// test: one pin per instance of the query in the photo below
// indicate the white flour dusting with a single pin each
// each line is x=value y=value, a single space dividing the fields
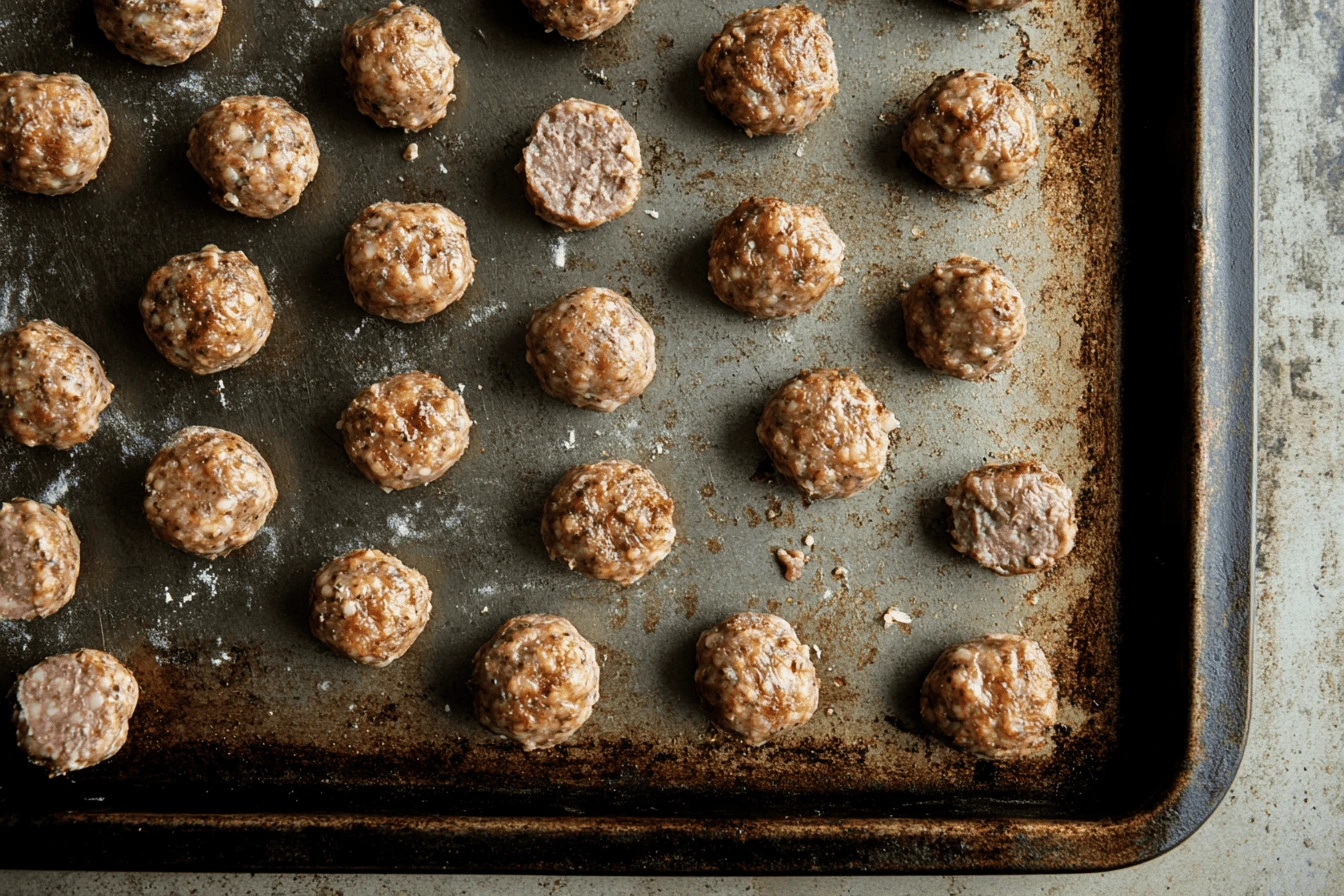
x=558 y=252
x=483 y=314
x=59 y=487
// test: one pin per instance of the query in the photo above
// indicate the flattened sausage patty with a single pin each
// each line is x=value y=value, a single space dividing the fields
x=400 y=67
x=582 y=165
x=74 y=710
x=406 y=430
x=591 y=348
x=964 y=318
x=770 y=258
x=755 y=677
x=53 y=133
x=52 y=386
x=256 y=154
x=1013 y=518
x=369 y=606
x=39 y=559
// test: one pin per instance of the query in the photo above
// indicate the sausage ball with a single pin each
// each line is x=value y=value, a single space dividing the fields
x=972 y=131
x=53 y=133
x=74 y=710
x=39 y=559
x=407 y=261
x=579 y=19
x=1013 y=518
x=255 y=153
x=207 y=311
x=827 y=433
x=369 y=606
x=399 y=66
x=159 y=32
x=609 y=520
x=995 y=697
x=52 y=386
x=964 y=318
x=770 y=258
x=581 y=165
x=536 y=681
x=591 y=348
x=406 y=430
x=771 y=70
x=208 y=492
x=755 y=677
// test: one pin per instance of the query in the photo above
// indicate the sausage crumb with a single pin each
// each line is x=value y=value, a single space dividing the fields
x=412 y=152
x=839 y=573
x=809 y=540
x=792 y=563
x=893 y=616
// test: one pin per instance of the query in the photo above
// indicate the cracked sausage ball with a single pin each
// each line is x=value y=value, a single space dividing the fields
x=609 y=520
x=406 y=430
x=39 y=559
x=756 y=678
x=972 y=131
x=159 y=32
x=53 y=133
x=407 y=261
x=581 y=165
x=964 y=318
x=208 y=492
x=399 y=66
x=369 y=606
x=591 y=348
x=1013 y=518
x=579 y=19
x=827 y=433
x=771 y=70
x=207 y=311
x=256 y=154
x=74 y=710
x=535 y=681
x=770 y=258
x=994 y=697
x=52 y=386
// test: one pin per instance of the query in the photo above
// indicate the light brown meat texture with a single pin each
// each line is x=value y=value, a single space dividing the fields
x=964 y=318
x=407 y=261
x=972 y=131
x=591 y=348
x=369 y=606
x=39 y=559
x=1013 y=518
x=990 y=5
x=256 y=154
x=159 y=32
x=406 y=430
x=52 y=386
x=400 y=68
x=755 y=677
x=53 y=133
x=581 y=165
x=74 y=710
x=579 y=19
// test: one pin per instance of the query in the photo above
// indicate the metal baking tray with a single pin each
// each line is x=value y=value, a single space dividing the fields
x=254 y=747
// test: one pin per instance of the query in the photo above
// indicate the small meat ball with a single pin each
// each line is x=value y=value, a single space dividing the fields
x=406 y=430
x=207 y=311
x=407 y=261
x=609 y=520
x=582 y=165
x=399 y=66
x=964 y=318
x=39 y=559
x=74 y=710
x=255 y=153
x=972 y=131
x=579 y=19
x=771 y=70
x=756 y=678
x=208 y=492
x=536 y=681
x=770 y=258
x=591 y=348
x=994 y=697
x=53 y=133
x=159 y=32
x=52 y=386
x=827 y=433
x=369 y=606
x=1013 y=518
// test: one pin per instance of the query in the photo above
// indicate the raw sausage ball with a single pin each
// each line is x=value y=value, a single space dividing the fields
x=995 y=697
x=208 y=492
x=407 y=261
x=74 y=710
x=1013 y=518
x=582 y=165
x=53 y=133
x=369 y=606
x=536 y=681
x=39 y=559
x=755 y=677
x=972 y=131
x=255 y=153
x=52 y=386
x=771 y=70
x=406 y=430
x=399 y=66
x=579 y=19
x=591 y=348
x=159 y=32
x=609 y=520
x=770 y=258
x=827 y=433
x=207 y=311
x=964 y=318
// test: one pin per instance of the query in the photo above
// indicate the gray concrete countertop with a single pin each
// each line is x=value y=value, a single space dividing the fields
x=1281 y=827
